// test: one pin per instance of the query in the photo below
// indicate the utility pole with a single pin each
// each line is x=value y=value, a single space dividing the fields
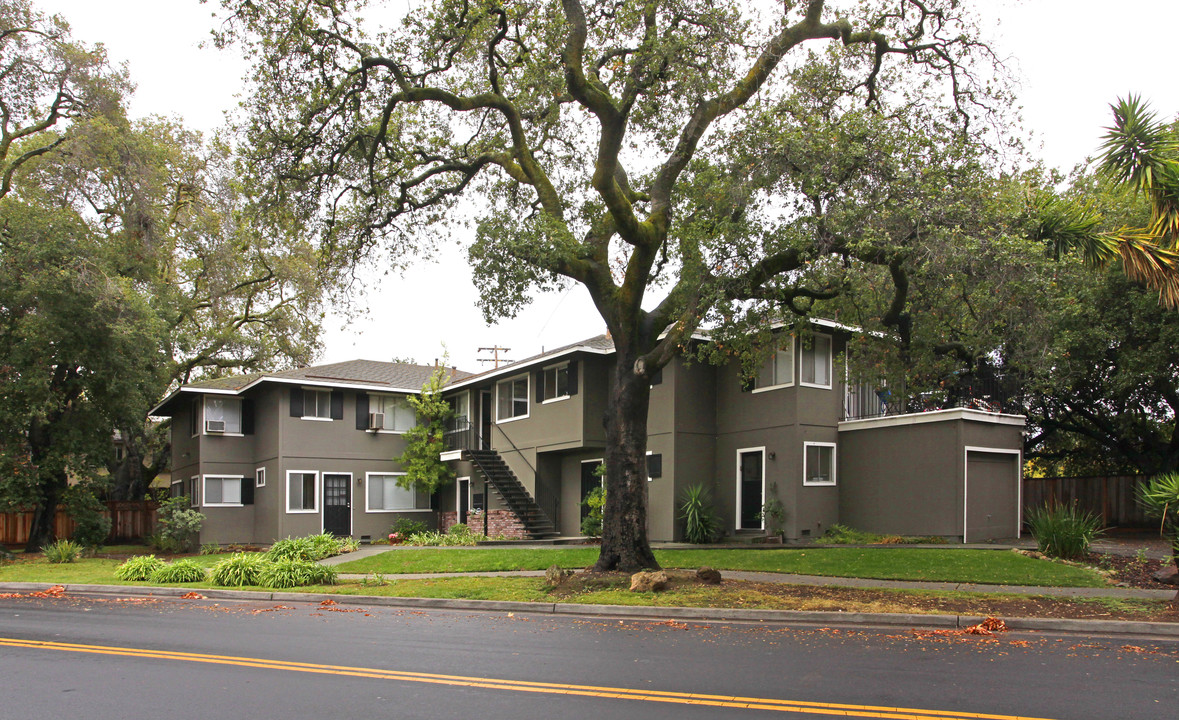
x=495 y=351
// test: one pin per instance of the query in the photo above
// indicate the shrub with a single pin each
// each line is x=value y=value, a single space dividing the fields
x=178 y=525
x=1160 y=497
x=349 y=544
x=238 y=569
x=91 y=525
x=295 y=573
x=289 y=548
x=210 y=549
x=591 y=524
x=324 y=545
x=62 y=551
x=1063 y=531
x=405 y=527
x=843 y=535
x=451 y=539
x=459 y=529
x=701 y=524
x=138 y=568
x=181 y=571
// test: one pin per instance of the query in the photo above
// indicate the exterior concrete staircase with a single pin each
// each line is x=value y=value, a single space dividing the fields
x=505 y=483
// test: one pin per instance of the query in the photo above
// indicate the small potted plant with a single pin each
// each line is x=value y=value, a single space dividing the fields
x=395 y=538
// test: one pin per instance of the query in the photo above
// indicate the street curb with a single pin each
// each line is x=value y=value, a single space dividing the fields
x=636 y=612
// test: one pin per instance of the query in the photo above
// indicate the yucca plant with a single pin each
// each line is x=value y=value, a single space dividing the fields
x=138 y=568
x=1063 y=531
x=701 y=524
x=238 y=569
x=181 y=571
x=1160 y=497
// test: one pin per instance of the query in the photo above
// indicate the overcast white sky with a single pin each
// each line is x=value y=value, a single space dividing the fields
x=1074 y=57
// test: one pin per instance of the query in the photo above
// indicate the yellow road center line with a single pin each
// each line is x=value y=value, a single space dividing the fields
x=664 y=696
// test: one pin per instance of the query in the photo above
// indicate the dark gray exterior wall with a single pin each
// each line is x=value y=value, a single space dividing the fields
x=909 y=479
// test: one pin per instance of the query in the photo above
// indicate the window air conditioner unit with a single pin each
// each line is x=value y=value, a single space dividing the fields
x=376 y=421
x=215 y=426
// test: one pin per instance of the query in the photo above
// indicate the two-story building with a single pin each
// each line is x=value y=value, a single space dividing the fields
x=527 y=438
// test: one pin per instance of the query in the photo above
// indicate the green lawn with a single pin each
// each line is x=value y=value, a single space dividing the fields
x=931 y=564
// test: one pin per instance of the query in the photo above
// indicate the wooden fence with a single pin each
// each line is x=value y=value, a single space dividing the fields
x=1113 y=497
x=130 y=521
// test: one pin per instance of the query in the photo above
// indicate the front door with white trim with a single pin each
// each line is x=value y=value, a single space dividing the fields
x=337 y=504
x=751 y=488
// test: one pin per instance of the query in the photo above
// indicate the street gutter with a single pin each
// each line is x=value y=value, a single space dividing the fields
x=808 y=617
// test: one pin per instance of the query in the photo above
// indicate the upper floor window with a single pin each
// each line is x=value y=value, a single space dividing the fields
x=556 y=383
x=223 y=415
x=390 y=412
x=815 y=369
x=778 y=369
x=317 y=404
x=512 y=399
x=460 y=405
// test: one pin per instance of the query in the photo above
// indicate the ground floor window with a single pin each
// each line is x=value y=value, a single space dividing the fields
x=385 y=495
x=223 y=490
x=302 y=491
x=818 y=463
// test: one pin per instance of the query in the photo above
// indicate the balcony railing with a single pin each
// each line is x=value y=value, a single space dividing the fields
x=461 y=435
x=869 y=400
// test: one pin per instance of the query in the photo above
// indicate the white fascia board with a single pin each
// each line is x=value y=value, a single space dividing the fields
x=933 y=416
x=305 y=382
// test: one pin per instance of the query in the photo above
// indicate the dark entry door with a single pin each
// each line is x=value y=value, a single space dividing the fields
x=463 y=489
x=337 y=504
x=485 y=420
x=589 y=481
x=751 y=489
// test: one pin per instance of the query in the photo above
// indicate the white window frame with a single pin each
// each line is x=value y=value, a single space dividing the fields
x=834 y=460
x=794 y=368
x=511 y=382
x=737 y=475
x=260 y=477
x=544 y=378
x=316 y=392
x=196 y=415
x=830 y=363
x=172 y=487
x=315 y=494
x=466 y=395
x=194 y=484
x=368 y=478
x=205 y=490
x=381 y=398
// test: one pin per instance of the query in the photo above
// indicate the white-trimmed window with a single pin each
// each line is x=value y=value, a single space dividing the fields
x=194 y=483
x=222 y=491
x=302 y=491
x=556 y=383
x=317 y=404
x=177 y=488
x=512 y=399
x=815 y=365
x=223 y=415
x=460 y=405
x=194 y=416
x=818 y=463
x=383 y=494
x=260 y=477
x=395 y=412
x=777 y=370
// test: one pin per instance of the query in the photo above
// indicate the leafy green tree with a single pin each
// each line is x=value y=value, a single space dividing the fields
x=629 y=147
x=426 y=440
x=46 y=79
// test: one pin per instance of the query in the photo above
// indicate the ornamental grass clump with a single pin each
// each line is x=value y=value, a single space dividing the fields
x=295 y=573
x=1063 y=531
x=180 y=571
x=62 y=551
x=237 y=570
x=138 y=568
x=301 y=548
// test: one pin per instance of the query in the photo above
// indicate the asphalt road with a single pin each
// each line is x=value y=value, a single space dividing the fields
x=99 y=658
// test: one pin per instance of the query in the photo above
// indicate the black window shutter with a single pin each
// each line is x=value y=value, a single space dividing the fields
x=248 y=491
x=655 y=465
x=362 y=411
x=539 y=386
x=296 y=402
x=572 y=377
x=337 y=404
x=247 y=416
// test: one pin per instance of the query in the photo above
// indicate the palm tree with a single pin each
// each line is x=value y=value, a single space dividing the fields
x=1140 y=152
x=1160 y=497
